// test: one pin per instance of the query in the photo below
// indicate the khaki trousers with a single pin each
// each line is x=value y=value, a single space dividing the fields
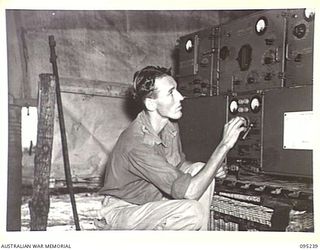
x=160 y=215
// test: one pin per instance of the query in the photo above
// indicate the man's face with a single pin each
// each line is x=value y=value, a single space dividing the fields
x=168 y=98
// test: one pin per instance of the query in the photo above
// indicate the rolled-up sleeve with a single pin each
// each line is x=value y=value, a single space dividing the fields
x=148 y=164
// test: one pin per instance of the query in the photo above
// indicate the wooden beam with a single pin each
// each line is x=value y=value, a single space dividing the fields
x=29 y=102
x=40 y=203
x=94 y=87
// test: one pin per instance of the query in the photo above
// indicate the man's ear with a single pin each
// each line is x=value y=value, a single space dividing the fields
x=150 y=104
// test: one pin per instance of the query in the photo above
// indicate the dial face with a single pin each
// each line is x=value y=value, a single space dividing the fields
x=308 y=14
x=261 y=25
x=233 y=106
x=255 y=104
x=189 y=45
x=300 y=30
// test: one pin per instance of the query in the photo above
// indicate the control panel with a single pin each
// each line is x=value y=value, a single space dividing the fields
x=247 y=152
x=266 y=50
x=196 y=64
x=263 y=65
x=251 y=52
x=299 y=48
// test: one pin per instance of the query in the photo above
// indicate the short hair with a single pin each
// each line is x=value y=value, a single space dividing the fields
x=144 y=79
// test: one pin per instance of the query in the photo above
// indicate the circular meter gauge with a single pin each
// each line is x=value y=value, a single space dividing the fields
x=308 y=14
x=255 y=104
x=189 y=45
x=233 y=106
x=261 y=25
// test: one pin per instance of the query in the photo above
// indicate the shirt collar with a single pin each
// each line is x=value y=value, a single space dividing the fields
x=151 y=137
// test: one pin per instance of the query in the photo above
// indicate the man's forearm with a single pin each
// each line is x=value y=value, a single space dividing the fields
x=200 y=182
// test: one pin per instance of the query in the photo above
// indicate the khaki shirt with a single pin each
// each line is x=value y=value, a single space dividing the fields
x=144 y=166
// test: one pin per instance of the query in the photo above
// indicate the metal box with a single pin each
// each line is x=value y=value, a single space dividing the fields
x=276 y=158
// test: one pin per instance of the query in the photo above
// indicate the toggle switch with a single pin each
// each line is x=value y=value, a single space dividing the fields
x=247 y=131
x=249 y=125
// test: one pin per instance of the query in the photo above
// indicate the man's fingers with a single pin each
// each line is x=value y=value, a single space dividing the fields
x=221 y=173
x=236 y=122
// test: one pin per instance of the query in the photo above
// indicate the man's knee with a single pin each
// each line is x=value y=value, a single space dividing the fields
x=195 y=213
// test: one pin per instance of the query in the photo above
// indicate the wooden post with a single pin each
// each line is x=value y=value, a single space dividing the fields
x=14 y=169
x=40 y=203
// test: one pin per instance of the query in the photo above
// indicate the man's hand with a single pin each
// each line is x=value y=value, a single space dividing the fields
x=222 y=171
x=231 y=131
x=201 y=181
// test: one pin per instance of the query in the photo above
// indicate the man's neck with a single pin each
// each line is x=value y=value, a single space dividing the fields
x=157 y=122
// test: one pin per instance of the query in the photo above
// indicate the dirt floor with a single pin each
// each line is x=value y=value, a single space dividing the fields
x=60 y=214
x=88 y=203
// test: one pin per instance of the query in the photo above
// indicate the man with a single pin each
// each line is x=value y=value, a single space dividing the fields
x=148 y=183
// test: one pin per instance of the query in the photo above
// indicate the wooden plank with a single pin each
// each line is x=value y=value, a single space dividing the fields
x=85 y=87
x=30 y=102
x=40 y=202
x=94 y=87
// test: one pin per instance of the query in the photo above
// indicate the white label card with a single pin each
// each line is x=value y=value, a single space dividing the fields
x=298 y=128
